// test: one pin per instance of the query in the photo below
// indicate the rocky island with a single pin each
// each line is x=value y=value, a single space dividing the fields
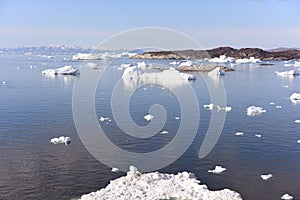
x=257 y=53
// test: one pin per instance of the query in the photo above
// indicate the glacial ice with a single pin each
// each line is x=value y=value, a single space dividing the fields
x=157 y=186
x=186 y=63
x=102 y=119
x=297 y=121
x=217 y=170
x=266 y=176
x=255 y=110
x=287 y=197
x=164 y=132
x=61 y=140
x=66 y=70
x=209 y=106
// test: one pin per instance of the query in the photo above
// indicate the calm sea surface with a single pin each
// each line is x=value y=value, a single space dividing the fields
x=36 y=108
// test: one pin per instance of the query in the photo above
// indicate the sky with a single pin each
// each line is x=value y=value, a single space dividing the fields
x=212 y=23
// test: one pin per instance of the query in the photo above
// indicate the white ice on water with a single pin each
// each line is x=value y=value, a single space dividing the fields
x=114 y=169
x=266 y=176
x=239 y=133
x=295 y=98
x=297 y=121
x=157 y=186
x=221 y=59
x=217 y=170
x=61 y=140
x=257 y=135
x=187 y=63
x=148 y=117
x=66 y=70
x=248 y=60
x=102 y=119
x=255 y=110
x=216 y=72
x=287 y=197
x=292 y=72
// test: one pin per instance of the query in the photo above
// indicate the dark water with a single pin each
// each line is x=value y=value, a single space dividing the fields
x=34 y=109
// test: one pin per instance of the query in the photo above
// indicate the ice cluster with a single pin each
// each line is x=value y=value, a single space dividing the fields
x=61 y=140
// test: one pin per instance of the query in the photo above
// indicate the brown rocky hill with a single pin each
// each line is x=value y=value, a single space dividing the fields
x=288 y=54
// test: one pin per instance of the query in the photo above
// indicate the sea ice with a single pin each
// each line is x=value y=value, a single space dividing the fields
x=66 y=70
x=272 y=103
x=266 y=176
x=255 y=110
x=292 y=72
x=239 y=133
x=226 y=108
x=278 y=106
x=141 y=65
x=61 y=140
x=257 y=135
x=295 y=98
x=156 y=186
x=298 y=141
x=114 y=169
x=297 y=121
x=148 y=117
x=217 y=170
x=3 y=82
x=246 y=60
x=164 y=132
x=208 y=106
x=84 y=56
x=287 y=197
x=102 y=119
x=177 y=118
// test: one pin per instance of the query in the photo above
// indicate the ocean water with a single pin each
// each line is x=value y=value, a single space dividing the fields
x=36 y=108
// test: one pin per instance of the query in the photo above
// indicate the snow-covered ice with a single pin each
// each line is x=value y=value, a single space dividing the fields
x=186 y=63
x=266 y=176
x=148 y=117
x=287 y=197
x=239 y=133
x=157 y=186
x=216 y=72
x=61 y=140
x=217 y=170
x=255 y=110
x=66 y=70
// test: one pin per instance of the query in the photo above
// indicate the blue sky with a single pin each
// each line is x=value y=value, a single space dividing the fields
x=237 y=23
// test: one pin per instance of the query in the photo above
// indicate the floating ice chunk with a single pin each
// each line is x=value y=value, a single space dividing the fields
x=84 y=56
x=186 y=63
x=292 y=72
x=148 y=117
x=298 y=141
x=255 y=110
x=278 y=106
x=246 y=60
x=61 y=140
x=297 y=64
x=287 y=197
x=114 y=169
x=66 y=70
x=285 y=86
x=174 y=63
x=221 y=59
x=272 y=103
x=217 y=170
x=124 y=65
x=177 y=118
x=3 y=82
x=239 y=133
x=102 y=119
x=266 y=176
x=257 y=135
x=164 y=132
x=297 y=121
x=295 y=98
x=208 y=106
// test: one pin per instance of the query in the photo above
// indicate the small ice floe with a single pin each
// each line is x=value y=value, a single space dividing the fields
x=292 y=72
x=295 y=98
x=266 y=176
x=285 y=86
x=208 y=106
x=66 y=70
x=3 y=82
x=84 y=56
x=272 y=103
x=114 y=169
x=257 y=135
x=298 y=141
x=287 y=197
x=103 y=119
x=177 y=118
x=216 y=72
x=226 y=108
x=239 y=133
x=148 y=117
x=61 y=140
x=164 y=132
x=174 y=63
x=297 y=121
x=278 y=107
x=92 y=65
x=255 y=110
x=217 y=170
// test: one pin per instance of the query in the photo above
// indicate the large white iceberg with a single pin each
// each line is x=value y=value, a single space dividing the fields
x=255 y=110
x=221 y=59
x=157 y=186
x=66 y=70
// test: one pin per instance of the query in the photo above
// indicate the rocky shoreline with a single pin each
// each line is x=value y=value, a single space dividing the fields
x=289 y=54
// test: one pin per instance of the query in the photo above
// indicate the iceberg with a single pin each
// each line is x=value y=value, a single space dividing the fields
x=287 y=197
x=61 y=140
x=297 y=121
x=248 y=60
x=221 y=59
x=226 y=108
x=208 y=106
x=266 y=176
x=257 y=135
x=217 y=170
x=239 y=133
x=164 y=132
x=255 y=110
x=66 y=70
x=186 y=63
x=148 y=117
x=295 y=98
x=92 y=65
x=292 y=72
x=114 y=169
x=156 y=186
x=84 y=56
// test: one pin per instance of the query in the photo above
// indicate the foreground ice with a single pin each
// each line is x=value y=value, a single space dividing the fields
x=102 y=119
x=266 y=176
x=287 y=197
x=209 y=106
x=61 y=140
x=255 y=110
x=217 y=170
x=66 y=70
x=156 y=186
